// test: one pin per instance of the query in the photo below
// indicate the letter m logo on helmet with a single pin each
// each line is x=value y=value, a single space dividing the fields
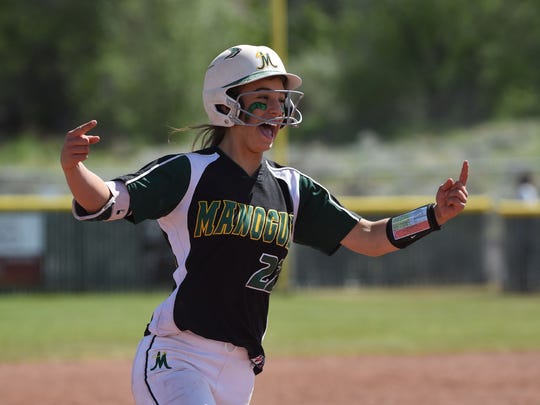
x=266 y=60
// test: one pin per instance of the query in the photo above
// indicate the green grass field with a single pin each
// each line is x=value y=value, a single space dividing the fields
x=366 y=321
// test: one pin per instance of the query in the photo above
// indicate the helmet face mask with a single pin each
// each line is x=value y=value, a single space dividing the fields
x=291 y=116
x=240 y=65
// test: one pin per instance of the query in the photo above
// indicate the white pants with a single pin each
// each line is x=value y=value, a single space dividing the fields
x=187 y=369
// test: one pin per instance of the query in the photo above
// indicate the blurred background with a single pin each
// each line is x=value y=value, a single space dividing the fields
x=398 y=93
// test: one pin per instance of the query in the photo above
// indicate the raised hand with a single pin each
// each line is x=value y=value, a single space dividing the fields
x=76 y=146
x=87 y=188
x=452 y=196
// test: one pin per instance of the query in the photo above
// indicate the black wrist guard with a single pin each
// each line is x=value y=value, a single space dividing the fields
x=404 y=229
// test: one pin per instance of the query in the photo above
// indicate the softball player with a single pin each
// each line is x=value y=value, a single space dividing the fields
x=230 y=216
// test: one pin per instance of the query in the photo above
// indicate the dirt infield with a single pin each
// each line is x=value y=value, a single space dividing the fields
x=465 y=379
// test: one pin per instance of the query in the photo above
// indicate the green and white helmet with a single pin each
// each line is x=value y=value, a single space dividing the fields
x=237 y=66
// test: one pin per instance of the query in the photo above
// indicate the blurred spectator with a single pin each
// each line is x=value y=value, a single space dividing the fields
x=526 y=189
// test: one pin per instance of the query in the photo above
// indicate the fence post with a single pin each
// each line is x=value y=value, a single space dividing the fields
x=521 y=242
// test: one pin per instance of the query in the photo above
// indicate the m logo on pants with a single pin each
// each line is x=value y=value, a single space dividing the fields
x=161 y=361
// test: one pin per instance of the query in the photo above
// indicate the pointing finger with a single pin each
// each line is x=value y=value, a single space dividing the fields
x=464 y=175
x=83 y=129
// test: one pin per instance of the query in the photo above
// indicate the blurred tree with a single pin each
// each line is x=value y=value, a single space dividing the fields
x=153 y=63
x=397 y=66
x=392 y=66
x=314 y=55
x=42 y=45
x=135 y=65
x=512 y=58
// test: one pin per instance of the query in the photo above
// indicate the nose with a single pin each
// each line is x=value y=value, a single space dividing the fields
x=275 y=107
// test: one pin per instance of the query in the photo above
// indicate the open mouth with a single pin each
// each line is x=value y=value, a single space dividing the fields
x=267 y=130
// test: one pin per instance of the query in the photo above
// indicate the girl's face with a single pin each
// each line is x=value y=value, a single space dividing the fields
x=263 y=104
